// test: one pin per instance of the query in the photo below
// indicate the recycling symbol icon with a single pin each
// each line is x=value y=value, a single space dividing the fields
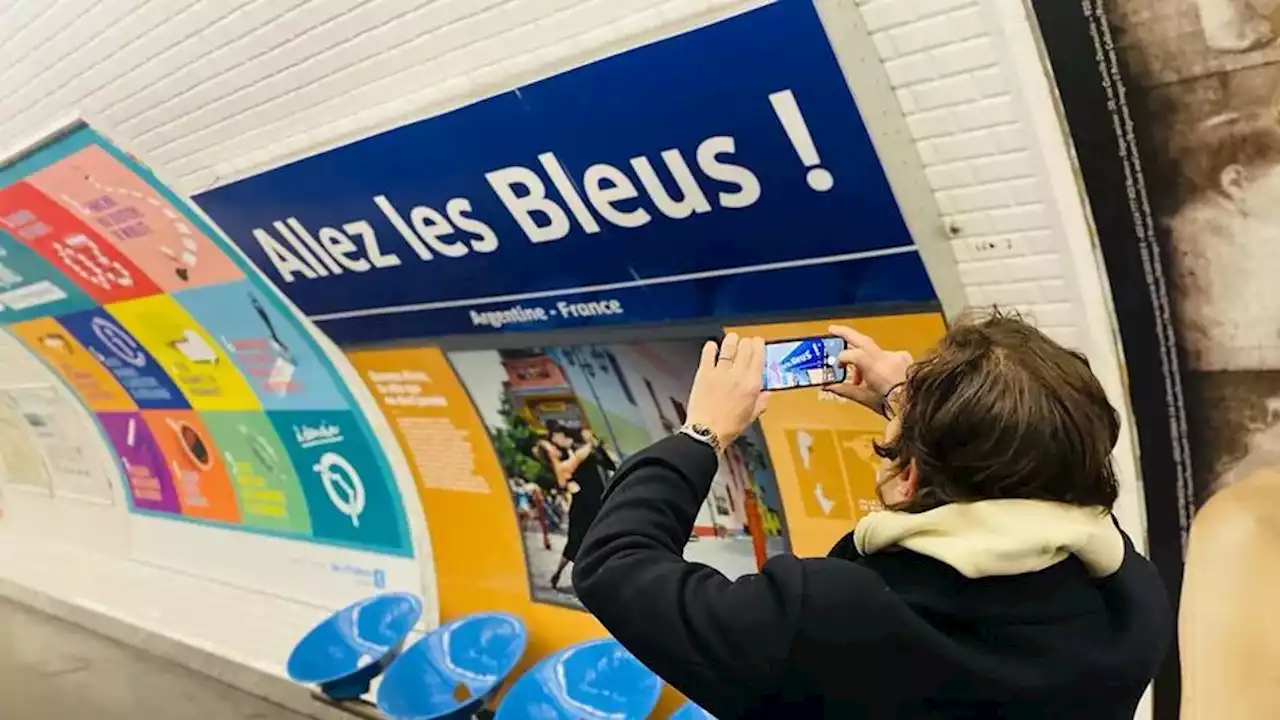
x=342 y=484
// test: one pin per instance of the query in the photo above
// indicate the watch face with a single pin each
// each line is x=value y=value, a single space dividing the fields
x=704 y=433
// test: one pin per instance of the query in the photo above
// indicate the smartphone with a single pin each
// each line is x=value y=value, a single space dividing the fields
x=802 y=362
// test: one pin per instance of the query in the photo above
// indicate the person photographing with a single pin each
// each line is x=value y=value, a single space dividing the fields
x=996 y=584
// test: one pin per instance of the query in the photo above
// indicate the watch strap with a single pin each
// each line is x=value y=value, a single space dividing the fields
x=704 y=435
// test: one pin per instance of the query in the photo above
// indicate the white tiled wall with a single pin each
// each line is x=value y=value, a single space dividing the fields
x=946 y=62
x=212 y=90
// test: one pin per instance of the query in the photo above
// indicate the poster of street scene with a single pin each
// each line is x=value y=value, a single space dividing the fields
x=563 y=419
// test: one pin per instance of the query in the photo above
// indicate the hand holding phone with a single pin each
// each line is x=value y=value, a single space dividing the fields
x=873 y=371
x=803 y=362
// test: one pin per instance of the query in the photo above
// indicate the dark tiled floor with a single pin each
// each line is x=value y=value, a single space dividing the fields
x=51 y=670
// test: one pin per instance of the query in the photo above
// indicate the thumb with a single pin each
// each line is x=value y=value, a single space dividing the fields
x=858 y=393
x=762 y=404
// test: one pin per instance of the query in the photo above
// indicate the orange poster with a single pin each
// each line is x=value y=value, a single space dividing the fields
x=821 y=444
x=95 y=385
x=476 y=541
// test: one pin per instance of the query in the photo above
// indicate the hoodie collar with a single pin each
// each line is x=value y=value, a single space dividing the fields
x=999 y=537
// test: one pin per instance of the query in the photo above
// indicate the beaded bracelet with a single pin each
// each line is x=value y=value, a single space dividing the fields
x=885 y=408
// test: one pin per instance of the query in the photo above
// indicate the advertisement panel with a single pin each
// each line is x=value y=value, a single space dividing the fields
x=20 y=457
x=1172 y=108
x=625 y=191
x=59 y=437
x=219 y=404
x=562 y=419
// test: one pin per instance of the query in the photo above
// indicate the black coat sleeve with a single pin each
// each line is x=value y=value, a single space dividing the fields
x=723 y=644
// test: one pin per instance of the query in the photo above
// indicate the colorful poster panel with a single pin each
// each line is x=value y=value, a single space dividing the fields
x=347 y=491
x=604 y=403
x=145 y=468
x=185 y=350
x=74 y=248
x=130 y=214
x=79 y=366
x=124 y=356
x=95 y=254
x=30 y=287
x=199 y=476
x=821 y=443
x=280 y=363
x=270 y=495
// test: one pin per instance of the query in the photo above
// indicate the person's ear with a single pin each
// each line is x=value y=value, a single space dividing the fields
x=910 y=480
x=1233 y=180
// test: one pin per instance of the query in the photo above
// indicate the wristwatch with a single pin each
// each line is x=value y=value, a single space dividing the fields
x=703 y=434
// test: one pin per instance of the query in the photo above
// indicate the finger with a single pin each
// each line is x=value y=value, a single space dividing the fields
x=728 y=350
x=762 y=404
x=853 y=338
x=708 y=360
x=853 y=359
x=750 y=358
x=857 y=393
x=849 y=359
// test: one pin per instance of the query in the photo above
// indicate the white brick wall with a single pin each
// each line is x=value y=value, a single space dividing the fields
x=944 y=60
x=213 y=90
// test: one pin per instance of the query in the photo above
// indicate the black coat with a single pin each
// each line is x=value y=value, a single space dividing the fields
x=891 y=635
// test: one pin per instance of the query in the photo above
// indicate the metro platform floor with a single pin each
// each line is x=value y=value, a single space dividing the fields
x=52 y=670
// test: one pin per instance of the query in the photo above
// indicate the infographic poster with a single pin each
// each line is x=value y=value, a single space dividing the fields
x=20 y=455
x=562 y=419
x=58 y=434
x=217 y=401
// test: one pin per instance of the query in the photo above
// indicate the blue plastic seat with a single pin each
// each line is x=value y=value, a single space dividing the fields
x=354 y=645
x=596 y=680
x=691 y=711
x=451 y=671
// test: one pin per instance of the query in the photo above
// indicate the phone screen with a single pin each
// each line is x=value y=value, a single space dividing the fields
x=805 y=362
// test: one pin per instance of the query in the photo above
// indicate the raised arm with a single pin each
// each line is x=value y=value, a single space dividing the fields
x=729 y=646
x=723 y=644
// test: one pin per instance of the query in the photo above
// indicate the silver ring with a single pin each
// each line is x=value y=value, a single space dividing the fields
x=727 y=357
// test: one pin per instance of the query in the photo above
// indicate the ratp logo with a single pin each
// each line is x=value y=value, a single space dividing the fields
x=342 y=484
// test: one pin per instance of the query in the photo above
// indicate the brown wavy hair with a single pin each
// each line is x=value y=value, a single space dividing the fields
x=1000 y=410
